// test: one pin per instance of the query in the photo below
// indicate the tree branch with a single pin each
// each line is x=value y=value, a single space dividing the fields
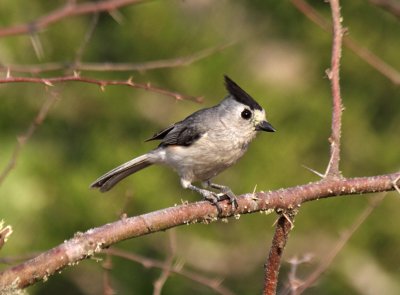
x=214 y=283
x=115 y=67
x=68 y=10
x=312 y=279
x=101 y=83
x=333 y=74
x=285 y=222
x=365 y=54
x=271 y=269
x=22 y=139
x=167 y=265
x=390 y=6
x=84 y=245
x=107 y=267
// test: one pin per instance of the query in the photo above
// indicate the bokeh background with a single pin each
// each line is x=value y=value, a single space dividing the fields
x=278 y=56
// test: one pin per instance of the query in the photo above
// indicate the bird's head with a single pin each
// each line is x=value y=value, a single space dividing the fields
x=245 y=114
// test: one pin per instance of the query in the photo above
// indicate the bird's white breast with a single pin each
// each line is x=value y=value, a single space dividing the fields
x=205 y=158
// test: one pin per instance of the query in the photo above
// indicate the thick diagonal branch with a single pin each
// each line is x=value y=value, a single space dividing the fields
x=86 y=244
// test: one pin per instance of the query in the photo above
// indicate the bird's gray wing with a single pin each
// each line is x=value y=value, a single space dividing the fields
x=177 y=134
x=182 y=134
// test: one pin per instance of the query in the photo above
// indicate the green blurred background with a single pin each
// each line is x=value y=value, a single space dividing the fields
x=279 y=57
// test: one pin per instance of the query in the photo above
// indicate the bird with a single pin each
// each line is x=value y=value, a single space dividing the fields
x=202 y=145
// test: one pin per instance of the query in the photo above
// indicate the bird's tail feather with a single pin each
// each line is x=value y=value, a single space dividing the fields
x=111 y=178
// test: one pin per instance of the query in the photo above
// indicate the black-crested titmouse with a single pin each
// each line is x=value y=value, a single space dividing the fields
x=203 y=145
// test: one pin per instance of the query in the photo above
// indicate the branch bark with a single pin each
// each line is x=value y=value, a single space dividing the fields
x=271 y=269
x=85 y=245
x=333 y=74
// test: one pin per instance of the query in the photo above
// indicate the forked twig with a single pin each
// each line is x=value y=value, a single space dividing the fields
x=332 y=172
x=214 y=284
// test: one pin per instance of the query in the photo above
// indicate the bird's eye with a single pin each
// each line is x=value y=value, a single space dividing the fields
x=246 y=114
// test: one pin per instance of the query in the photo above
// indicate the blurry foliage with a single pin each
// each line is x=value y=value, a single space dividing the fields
x=280 y=57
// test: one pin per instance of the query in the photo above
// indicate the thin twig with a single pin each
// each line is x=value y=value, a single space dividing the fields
x=166 y=271
x=333 y=75
x=10 y=260
x=102 y=83
x=390 y=6
x=272 y=265
x=365 y=54
x=107 y=266
x=71 y=8
x=339 y=246
x=88 y=35
x=294 y=282
x=116 y=67
x=22 y=139
x=214 y=284
x=42 y=114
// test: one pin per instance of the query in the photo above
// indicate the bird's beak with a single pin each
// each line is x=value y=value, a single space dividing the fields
x=265 y=126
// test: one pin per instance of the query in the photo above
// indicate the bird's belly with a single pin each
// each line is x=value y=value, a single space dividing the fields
x=200 y=163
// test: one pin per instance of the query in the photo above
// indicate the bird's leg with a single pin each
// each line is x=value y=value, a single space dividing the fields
x=226 y=191
x=207 y=195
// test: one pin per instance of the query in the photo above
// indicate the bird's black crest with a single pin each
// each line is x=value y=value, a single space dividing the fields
x=240 y=95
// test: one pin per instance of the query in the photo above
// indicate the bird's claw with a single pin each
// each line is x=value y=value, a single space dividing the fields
x=213 y=199
x=229 y=195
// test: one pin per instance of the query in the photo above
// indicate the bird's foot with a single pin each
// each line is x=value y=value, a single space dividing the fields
x=226 y=194
x=213 y=198
x=229 y=195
